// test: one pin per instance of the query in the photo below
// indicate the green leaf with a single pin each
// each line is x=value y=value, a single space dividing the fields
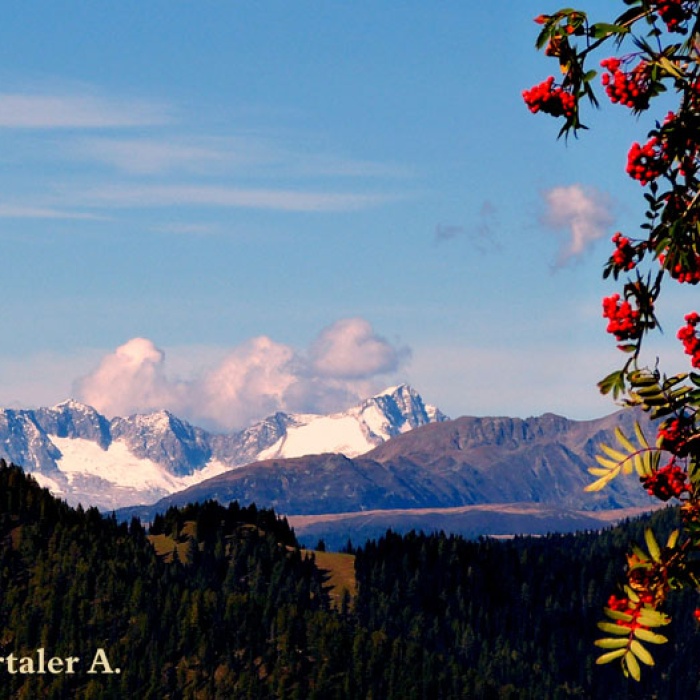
x=611 y=656
x=601 y=29
x=629 y=15
x=673 y=539
x=642 y=377
x=649 y=636
x=675 y=379
x=670 y=68
x=662 y=411
x=614 y=382
x=678 y=394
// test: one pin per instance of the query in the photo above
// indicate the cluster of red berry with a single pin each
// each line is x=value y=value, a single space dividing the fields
x=623 y=320
x=629 y=88
x=673 y=12
x=666 y=482
x=687 y=272
x=691 y=342
x=623 y=256
x=673 y=436
x=549 y=99
x=624 y=605
x=645 y=163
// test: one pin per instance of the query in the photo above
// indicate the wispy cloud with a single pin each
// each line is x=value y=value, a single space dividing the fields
x=245 y=152
x=42 y=111
x=482 y=234
x=172 y=164
x=145 y=156
x=11 y=211
x=583 y=214
x=127 y=196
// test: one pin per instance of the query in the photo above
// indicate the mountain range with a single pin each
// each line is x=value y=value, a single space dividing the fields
x=85 y=458
x=392 y=461
x=474 y=476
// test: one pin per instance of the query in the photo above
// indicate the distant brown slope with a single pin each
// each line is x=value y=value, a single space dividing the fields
x=466 y=461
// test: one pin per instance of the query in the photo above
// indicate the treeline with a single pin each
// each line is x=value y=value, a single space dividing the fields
x=220 y=602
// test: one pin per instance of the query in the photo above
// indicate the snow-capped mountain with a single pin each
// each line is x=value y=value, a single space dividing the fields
x=83 y=457
x=396 y=410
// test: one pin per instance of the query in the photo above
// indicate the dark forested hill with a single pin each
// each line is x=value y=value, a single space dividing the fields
x=219 y=602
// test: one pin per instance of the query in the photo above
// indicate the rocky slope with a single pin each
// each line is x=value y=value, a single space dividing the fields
x=464 y=462
x=84 y=457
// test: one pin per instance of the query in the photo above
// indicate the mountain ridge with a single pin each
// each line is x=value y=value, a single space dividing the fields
x=84 y=457
x=463 y=462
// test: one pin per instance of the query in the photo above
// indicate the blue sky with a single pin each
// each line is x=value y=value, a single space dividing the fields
x=227 y=208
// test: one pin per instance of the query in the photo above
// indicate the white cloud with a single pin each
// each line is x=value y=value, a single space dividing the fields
x=37 y=111
x=344 y=364
x=583 y=212
x=132 y=376
x=149 y=156
x=11 y=211
x=222 y=196
x=249 y=153
x=349 y=349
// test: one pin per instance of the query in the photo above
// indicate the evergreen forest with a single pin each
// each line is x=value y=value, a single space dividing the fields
x=221 y=602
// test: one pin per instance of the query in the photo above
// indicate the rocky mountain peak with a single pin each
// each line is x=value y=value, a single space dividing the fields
x=86 y=457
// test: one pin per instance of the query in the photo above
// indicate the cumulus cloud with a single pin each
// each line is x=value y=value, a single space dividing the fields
x=131 y=376
x=344 y=363
x=585 y=214
x=350 y=349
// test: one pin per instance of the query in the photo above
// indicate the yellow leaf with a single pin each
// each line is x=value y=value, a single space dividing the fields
x=649 y=636
x=631 y=665
x=615 y=454
x=652 y=545
x=601 y=483
x=617 y=630
x=612 y=642
x=605 y=462
x=618 y=615
x=611 y=656
x=640 y=434
x=641 y=653
x=623 y=440
x=652 y=618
